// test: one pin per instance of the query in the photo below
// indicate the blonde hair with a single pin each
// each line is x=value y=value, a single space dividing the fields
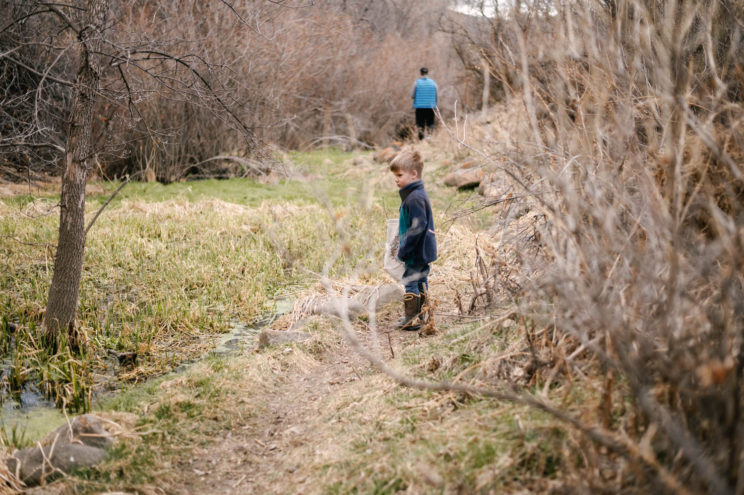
x=408 y=160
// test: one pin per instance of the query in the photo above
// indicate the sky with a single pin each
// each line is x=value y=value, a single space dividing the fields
x=472 y=7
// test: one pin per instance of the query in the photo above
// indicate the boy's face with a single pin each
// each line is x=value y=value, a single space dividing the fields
x=404 y=177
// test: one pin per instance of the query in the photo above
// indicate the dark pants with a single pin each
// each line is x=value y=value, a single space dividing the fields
x=416 y=279
x=424 y=120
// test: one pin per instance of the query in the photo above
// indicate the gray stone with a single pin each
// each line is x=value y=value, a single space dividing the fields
x=85 y=429
x=78 y=444
x=268 y=338
x=37 y=464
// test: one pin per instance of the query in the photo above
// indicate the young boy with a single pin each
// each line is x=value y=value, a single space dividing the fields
x=418 y=245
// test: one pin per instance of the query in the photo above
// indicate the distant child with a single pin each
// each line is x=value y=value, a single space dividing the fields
x=418 y=245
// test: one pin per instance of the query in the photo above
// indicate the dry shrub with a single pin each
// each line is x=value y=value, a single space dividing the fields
x=186 y=82
x=321 y=74
x=633 y=158
x=9 y=484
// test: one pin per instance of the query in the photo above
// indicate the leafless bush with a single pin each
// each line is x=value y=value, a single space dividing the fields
x=635 y=117
x=326 y=73
x=290 y=72
x=342 y=69
x=33 y=94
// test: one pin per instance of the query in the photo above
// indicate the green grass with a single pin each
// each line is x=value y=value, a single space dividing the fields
x=326 y=162
x=239 y=191
x=168 y=267
x=325 y=183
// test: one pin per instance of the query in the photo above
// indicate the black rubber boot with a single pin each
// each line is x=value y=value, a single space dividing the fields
x=411 y=304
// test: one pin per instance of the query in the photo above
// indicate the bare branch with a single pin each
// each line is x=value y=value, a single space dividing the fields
x=105 y=204
x=40 y=74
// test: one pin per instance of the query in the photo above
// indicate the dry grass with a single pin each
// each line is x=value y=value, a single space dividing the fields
x=633 y=289
x=393 y=438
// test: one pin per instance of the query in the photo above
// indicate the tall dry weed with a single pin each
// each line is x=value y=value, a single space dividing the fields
x=634 y=157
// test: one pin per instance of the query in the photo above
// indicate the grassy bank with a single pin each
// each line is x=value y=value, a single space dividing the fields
x=169 y=267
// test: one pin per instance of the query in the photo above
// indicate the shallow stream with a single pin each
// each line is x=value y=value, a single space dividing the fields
x=28 y=416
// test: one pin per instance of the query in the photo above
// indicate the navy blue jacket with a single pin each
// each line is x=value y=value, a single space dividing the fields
x=418 y=244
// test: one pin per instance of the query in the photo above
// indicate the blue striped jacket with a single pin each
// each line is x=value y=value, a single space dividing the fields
x=424 y=93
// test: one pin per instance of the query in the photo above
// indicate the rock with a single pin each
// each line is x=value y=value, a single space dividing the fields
x=491 y=190
x=268 y=338
x=86 y=429
x=469 y=164
x=78 y=444
x=486 y=181
x=464 y=177
x=37 y=464
x=387 y=154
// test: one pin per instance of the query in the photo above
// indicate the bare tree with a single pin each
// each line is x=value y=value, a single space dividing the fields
x=68 y=262
x=76 y=48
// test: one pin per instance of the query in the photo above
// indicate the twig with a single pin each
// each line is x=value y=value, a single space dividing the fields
x=46 y=245
x=240 y=480
x=100 y=210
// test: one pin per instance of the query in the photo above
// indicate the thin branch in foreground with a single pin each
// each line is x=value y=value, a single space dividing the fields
x=595 y=433
x=100 y=210
x=614 y=442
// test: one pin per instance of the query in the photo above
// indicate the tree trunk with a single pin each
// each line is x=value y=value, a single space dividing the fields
x=68 y=261
x=486 y=86
x=327 y=124
x=352 y=130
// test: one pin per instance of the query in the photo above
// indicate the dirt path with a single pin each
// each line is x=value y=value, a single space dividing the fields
x=266 y=454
